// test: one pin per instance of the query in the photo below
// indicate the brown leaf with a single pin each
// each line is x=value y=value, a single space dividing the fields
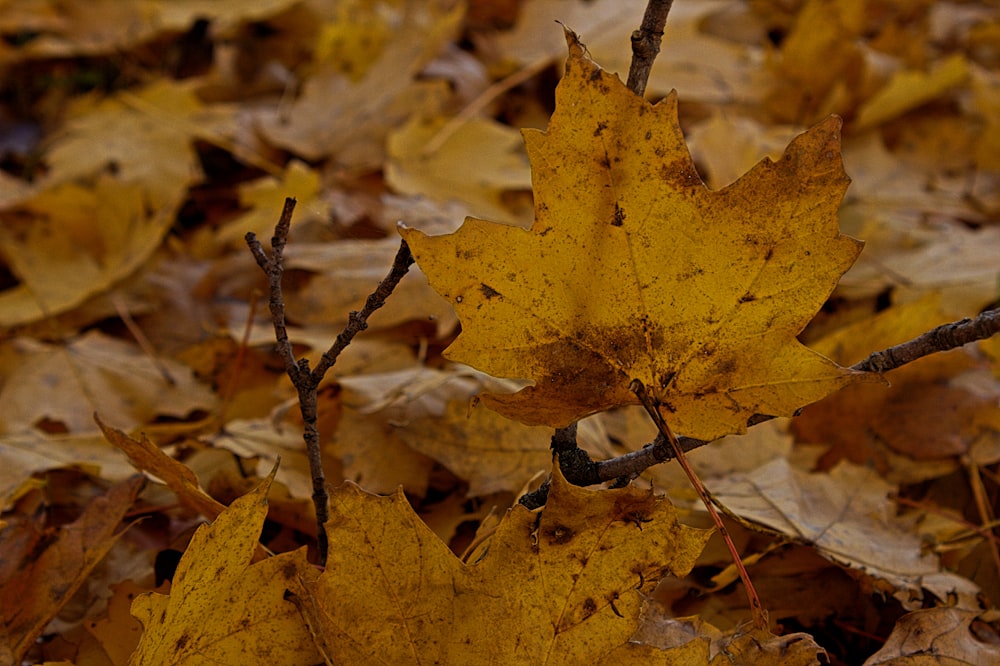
x=41 y=568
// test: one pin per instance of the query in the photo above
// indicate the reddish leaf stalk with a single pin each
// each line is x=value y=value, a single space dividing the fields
x=756 y=608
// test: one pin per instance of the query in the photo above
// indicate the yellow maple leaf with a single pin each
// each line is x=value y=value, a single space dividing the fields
x=222 y=609
x=564 y=585
x=634 y=269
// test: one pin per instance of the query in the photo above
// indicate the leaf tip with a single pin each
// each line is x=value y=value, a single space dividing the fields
x=576 y=47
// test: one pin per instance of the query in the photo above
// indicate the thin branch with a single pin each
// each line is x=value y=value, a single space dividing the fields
x=273 y=268
x=646 y=44
x=307 y=381
x=358 y=321
x=942 y=338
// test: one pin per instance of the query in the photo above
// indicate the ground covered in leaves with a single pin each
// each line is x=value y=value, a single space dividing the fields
x=141 y=140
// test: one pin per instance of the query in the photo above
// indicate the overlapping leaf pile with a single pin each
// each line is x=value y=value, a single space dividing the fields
x=141 y=140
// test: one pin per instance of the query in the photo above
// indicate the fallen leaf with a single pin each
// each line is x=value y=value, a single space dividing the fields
x=344 y=274
x=223 y=609
x=725 y=147
x=41 y=568
x=564 y=585
x=934 y=409
x=986 y=97
x=375 y=456
x=634 y=270
x=118 y=632
x=69 y=242
x=336 y=117
x=909 y=89
x=847 y=516
x=941 y=636
x=490 y=452
x=445 y=174
x=26 y=453
x=95 y=372
x=268 y=441
x=821 y=67
x=148 y=457
x=265 y=196
x=738 y=646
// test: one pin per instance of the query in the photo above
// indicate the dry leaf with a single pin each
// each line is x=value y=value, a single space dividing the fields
x=941 y=636
x=490 y=452
x=334 y=116
x=565 y=585
x=70 y=242
x=846 y=515
x=445 y=174
x=24 y=454
x=41 y=568
x=95 y=372
x=249 y=621
x=148 y=457
x=933 y=411
x=633 y=269
x=909 y=89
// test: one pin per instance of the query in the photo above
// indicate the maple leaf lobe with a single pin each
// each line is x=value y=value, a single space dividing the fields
x=635 y=270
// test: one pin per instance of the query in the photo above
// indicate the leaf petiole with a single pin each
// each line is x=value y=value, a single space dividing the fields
x=756 y=608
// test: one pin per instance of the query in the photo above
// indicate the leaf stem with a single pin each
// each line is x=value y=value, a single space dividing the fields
x=756 y=608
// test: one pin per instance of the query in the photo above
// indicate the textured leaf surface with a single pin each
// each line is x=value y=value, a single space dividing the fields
x=634 y=269
x=561 y=586
x=222 y=609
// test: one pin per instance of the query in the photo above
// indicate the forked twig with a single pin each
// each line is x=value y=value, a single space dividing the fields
x=306 y=380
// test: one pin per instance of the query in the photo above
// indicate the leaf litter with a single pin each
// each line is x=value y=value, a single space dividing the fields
x=148 y=159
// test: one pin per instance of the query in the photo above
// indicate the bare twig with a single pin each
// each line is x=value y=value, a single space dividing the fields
x=942 y=338
x=307 y=381
x=646 y=44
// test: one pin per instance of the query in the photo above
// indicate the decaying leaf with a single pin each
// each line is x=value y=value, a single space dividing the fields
x=94 y=372
x=847 y=516
x=942 y=636
x=561 y=586
x=709 y=645
x=633 y=269
x=249 y=619
x=41 y=568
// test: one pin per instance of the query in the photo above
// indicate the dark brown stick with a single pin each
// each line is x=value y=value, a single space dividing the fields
x=942 y=338
x=307 y=381
x=646 y=44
